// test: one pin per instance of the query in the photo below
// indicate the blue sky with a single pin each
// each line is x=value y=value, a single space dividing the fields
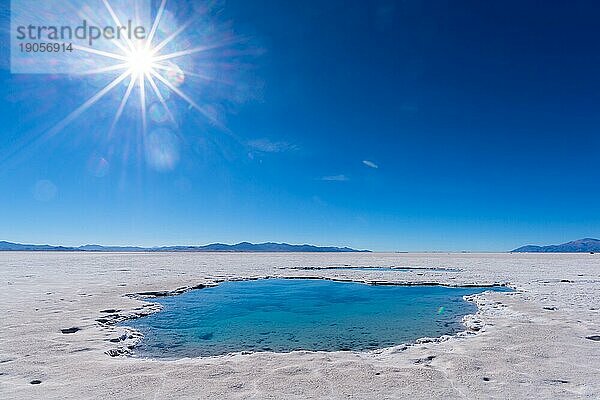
x=384 y=125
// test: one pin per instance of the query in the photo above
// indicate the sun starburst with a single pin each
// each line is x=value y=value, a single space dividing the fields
x=144 y=63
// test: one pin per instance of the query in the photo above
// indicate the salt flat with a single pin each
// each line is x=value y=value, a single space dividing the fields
x=531 y=343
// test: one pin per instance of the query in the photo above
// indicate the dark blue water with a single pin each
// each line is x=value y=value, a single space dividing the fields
x=299 y=314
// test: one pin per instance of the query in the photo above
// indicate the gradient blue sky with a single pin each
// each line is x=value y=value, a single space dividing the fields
x=387 y=125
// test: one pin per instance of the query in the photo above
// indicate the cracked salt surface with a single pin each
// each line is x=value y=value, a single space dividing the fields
x=521 y=349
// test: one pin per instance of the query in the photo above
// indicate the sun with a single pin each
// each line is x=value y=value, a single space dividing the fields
x=141 y=61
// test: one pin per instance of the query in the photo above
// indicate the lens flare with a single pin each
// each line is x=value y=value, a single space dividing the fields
x=162 y=149
x=98 y=166
x=44 y=190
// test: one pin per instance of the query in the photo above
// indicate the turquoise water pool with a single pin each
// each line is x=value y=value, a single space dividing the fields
x=299 y=314
x=390 y=269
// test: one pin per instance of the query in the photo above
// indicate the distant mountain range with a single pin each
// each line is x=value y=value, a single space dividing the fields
x=577 y=246
x=218 y=247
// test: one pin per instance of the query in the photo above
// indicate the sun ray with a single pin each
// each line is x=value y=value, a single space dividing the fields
x=177 y=91
x=115 y=67
x=160 y=97
x=101 y=53
x=142 y=101
x=115 y=42
x=122 y=105
x=190 y=73
x=188 y=52
x=120 y=46
x=82 y=108
x=156 y=23
x=185 y=97
x=136 y=18
x=117 y=22
x=170 y=38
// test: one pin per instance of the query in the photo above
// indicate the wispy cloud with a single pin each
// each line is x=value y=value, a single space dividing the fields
x=370 y=164
x=336 y=178
x=265 y=145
